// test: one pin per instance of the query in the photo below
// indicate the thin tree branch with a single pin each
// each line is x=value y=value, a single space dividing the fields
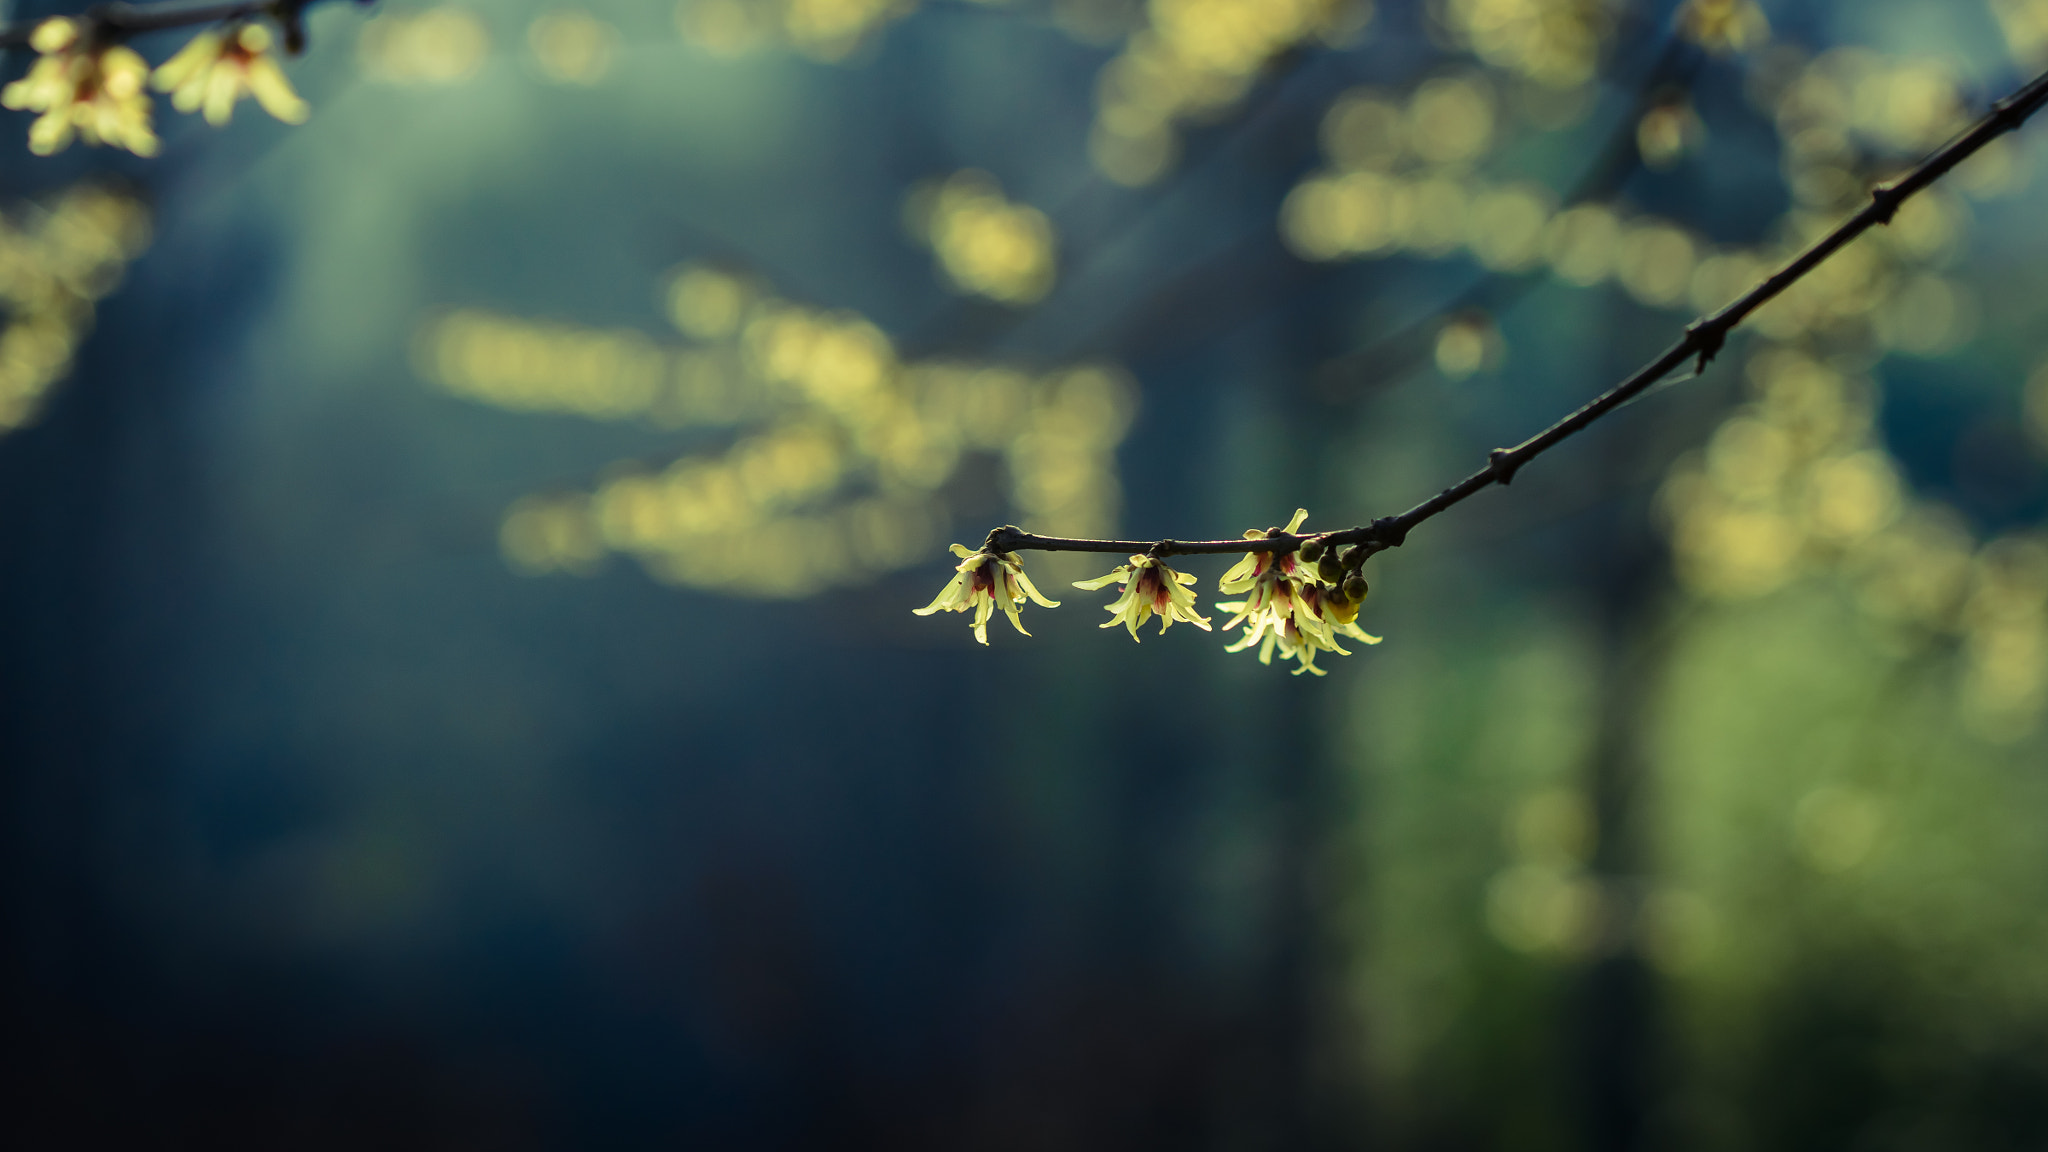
x=1010 y=538
x=1703 y=340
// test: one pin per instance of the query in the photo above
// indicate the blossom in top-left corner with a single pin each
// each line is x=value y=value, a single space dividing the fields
x=985 y=581
x=94 y=91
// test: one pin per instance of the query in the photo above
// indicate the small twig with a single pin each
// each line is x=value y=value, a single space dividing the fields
x=1703 y=340
x=1010 y=538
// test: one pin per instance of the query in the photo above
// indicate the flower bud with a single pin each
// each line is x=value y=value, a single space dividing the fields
x=1311 y=550
x=1331 y=572
x=1355 y=589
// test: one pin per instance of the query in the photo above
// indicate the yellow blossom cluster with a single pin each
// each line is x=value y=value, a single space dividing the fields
x=842 y=457
x=1298 y=601
x=92 y=88
x=1294 y=603
x=55 y=263
x=986 y=245
x=87 y=90
x=1793 y=482
x=1192 y=60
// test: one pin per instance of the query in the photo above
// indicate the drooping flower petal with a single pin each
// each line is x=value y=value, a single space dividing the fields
x=94 y=94
x=1150 y=589
x=1119 y=573
x=985 y=581
x=1288 y=608
x=213 y=72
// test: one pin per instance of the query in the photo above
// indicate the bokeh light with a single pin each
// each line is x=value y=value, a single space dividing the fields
x=842 y=477
x=55 y=263
x=444 y=45
x=461 y=679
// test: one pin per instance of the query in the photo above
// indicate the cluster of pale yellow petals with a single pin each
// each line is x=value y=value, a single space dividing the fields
x=985 y=581
x=1289 y=608
x=91 y=91
x=95 y=91
x=1298 y=602
x=220 y=67
x=1150 y=589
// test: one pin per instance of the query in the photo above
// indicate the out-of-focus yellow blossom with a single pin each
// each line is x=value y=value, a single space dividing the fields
x=220 y=67
x=1287 y=609
x=985 y=581
x=986 y=244
x=92 y=92
x=1722 y=26
x=1150 y=588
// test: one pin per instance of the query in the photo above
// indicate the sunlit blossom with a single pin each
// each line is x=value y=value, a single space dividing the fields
x=1150 y=589
x=93 y=92
x=1258 y=566
x=1287 y=609
x=985 y=581
x=220 y=67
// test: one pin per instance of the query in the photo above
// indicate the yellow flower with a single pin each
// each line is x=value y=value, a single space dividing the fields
x=1258 y=566
x=1150 y=588
x=93 y=92
x=1310 y=627
x=1288 y=610
x=220 y=67
x=985 y=581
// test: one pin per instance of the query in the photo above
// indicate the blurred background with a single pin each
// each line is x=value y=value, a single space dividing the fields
x=458 y=686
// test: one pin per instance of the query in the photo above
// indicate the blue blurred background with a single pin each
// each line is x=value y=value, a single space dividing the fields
x=458 y=686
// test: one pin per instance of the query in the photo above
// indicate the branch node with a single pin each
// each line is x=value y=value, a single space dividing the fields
x=1503 y=463
x=1886 y=198
x=1710 y=335
x=1389 y=531
x=1163 y=549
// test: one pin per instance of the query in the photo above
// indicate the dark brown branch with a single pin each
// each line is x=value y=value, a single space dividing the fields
x=1010 y=538
x=1703 y=341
